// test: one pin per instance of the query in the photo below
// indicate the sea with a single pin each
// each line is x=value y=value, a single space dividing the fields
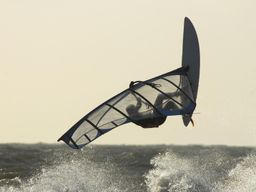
x=127 y=168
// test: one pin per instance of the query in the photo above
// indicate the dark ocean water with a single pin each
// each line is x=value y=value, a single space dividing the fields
x=57 y=168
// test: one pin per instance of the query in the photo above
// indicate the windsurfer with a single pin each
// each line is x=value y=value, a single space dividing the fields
x=152 y=118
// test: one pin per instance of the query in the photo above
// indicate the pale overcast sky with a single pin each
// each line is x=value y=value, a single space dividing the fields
x=61 y=58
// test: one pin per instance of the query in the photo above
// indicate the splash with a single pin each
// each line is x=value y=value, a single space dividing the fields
x=73 y=175
x=173 y=172
x=240 y=179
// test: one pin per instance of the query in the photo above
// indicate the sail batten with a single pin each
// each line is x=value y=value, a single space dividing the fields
x=189 y=97
x=148 y=102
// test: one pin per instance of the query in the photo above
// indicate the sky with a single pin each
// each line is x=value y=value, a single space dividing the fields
x=60 y=58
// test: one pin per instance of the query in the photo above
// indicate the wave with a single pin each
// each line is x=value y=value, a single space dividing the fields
x=213 y=171
x=71 y=175
x=133 y=169
x=240 y=179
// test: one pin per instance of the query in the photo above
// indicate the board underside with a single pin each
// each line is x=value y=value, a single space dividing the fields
x=191 y=58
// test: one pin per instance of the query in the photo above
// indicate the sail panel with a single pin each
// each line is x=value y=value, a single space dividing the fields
x=158 y=97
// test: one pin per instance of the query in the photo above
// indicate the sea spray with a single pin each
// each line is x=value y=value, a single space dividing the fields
x=173 y=173
x=242 y=178
x=206 y=170
x=176 y=171
x=75 y=174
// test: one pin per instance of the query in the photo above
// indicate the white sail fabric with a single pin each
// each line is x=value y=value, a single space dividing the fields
x=165 y=95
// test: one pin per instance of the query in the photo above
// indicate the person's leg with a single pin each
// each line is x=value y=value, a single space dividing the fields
x=170 y=105
x=159 y=100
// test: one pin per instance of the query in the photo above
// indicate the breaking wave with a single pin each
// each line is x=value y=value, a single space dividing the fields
x=72 y=175
x=241 y=179
x=174 y=172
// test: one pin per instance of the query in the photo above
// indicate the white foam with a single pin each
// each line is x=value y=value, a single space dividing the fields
x=174 y=173
x=70 y=176
x=242 y=178
x=171 y=173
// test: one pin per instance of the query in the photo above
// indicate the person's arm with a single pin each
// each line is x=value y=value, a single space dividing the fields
x=138 y=104
x=173 y=94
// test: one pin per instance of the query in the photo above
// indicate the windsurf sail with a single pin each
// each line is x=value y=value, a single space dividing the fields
x=173 y=87
x=145 y=103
